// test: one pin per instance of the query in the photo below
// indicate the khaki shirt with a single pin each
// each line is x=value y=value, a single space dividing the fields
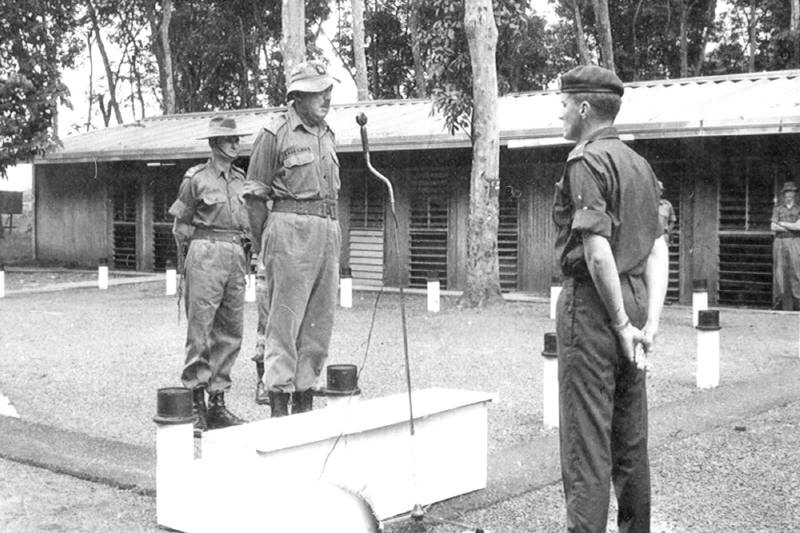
x=606 y=189
x=292 y=160
x=211 y=198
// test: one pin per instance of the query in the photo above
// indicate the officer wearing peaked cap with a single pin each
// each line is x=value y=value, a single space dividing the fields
x=211 y=221
x=292 y=191
x=614 y=262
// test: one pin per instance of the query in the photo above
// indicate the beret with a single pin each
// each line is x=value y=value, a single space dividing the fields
x=591 y=79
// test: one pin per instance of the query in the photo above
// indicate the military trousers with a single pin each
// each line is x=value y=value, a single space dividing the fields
x=215 y=286
x=262 y=308
x=301 y=260
x=603 y=411
x=786 y=277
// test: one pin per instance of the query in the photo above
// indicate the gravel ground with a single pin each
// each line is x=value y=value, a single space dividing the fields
x=721 y=481
x=91 y=360
x=738 y=478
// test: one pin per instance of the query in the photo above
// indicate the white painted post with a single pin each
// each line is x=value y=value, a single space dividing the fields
x=708 y=349
x=433 y=292
x=250 y=288
x=102 y=274
x=346 y=287
x=2 y=280
x=555 y=292
x=171 y=278
x=174 y=453
x=550 y=381
x=699 y=299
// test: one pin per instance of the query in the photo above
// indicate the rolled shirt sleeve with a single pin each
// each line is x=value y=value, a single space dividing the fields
x=591 y=215
x=262 y=167
x=183 y=207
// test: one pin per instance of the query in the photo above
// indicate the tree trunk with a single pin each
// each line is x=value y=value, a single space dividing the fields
x=293 y=35
x=416 y=52
x=362 y=85
x=482 y=268
x=112 y=82
x=684 y=42
x=708 y=21
x=794 y=32
x=244 y=78
x=634 y=44
x=580 y=36
x=169 y=77
x=91 y=81
x=604 y=33
x=751 y=34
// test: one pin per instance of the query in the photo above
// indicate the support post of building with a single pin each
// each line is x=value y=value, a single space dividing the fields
x=2 y=280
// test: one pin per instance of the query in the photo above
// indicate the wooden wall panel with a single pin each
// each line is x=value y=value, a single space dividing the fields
x=71 y=215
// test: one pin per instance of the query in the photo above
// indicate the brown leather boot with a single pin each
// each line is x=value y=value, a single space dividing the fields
x=279 y=403
x=218 y=415
x=302 y=401
x=199 y=411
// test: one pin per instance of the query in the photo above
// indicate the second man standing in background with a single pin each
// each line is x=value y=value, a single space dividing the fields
x=294 y=165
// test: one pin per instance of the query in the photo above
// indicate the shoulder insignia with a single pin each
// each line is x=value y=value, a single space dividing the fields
x=194 y=170
x=577 y=152
x=274 y=123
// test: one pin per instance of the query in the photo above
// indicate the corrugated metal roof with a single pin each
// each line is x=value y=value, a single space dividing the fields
x=747 y=104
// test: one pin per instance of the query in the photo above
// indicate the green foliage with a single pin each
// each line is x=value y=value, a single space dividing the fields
x=774 y=45
x=35 y=44
x=522 y=55
x=226 y=53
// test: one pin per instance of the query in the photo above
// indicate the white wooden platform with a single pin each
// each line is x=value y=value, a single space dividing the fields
x=274 y=467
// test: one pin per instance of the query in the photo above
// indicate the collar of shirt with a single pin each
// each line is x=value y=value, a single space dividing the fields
x=294 y=120
x=218 y=169
x=607 y=132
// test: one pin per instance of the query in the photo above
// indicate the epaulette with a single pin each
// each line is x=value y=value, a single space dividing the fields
x=276 y=120
x=194 y=170
x=576 y=152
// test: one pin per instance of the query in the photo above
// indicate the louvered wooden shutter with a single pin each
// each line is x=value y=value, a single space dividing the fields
x=508 y=238
x=366 y=230
x=745 y=245
x=124 y=195
x=165 y=190
x=428 y=198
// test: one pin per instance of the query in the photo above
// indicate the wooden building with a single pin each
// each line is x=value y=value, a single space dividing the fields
x=722 y=146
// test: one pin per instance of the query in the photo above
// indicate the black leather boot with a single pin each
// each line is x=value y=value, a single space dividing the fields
x=302 y=401
x=262 y=395
x=218 y=415
x=199 y=410
x=279 y=403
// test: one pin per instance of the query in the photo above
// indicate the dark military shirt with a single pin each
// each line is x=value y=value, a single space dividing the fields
x=211 y=198
x=781 y=213
x=606 y=189
x=292 y=160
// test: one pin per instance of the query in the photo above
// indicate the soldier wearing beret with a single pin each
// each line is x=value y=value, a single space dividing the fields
x=786 y=251
x=614 y=261
x=292 y=191
x=211 y=219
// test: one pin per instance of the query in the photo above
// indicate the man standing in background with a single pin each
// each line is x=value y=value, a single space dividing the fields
x=786 y=251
